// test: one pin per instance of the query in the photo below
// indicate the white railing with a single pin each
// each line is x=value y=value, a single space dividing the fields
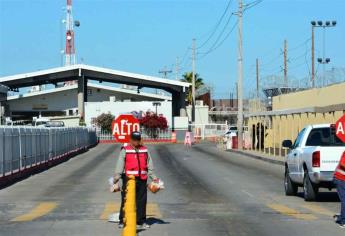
x=206 y=131
x=158 y=135
x=23 y=147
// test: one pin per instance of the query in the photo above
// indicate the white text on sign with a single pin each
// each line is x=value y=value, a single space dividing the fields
x=340 y=129
x=125 y=128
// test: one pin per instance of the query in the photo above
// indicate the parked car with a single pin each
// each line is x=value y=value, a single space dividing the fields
x=231 y=132
x=55 y=124
x=40 y=122
x=311 y=160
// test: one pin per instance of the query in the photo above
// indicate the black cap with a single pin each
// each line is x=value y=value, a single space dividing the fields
x=136 y=136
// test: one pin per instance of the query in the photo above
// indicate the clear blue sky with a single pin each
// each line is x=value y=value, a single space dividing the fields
x=143 y=36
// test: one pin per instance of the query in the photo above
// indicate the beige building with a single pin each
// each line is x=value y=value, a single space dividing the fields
x=291 y=112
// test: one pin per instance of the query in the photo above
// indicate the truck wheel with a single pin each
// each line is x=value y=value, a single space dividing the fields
x=290 y=187
x=310 y=190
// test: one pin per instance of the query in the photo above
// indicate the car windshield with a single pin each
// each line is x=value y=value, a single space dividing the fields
x=323 y=137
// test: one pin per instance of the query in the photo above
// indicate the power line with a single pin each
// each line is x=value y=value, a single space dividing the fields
x=216 y=26
x=185 y=60
x=215 y=46
x=185 y=56
x=251 y=5
x=304 y=43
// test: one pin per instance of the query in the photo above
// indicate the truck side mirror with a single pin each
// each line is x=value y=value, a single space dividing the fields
x=287 y=144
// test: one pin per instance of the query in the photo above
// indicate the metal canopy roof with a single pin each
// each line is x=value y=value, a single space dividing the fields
x=60 y=74
x=91 y=85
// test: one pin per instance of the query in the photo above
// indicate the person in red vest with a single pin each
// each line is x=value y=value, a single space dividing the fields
x=135 y=160
x=339 y=176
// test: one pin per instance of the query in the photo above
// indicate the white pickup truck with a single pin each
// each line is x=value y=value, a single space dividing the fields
x=311 y=160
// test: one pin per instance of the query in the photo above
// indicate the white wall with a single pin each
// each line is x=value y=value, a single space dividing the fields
x=94 y=109
x=201 y=114
x=59 y=101
x=67 y=100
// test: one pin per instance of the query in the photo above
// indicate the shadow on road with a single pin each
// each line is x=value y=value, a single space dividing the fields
x=324 y=197
x=153 y=220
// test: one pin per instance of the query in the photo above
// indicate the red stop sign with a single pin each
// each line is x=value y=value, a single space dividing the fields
x=123 y=126
x=340 y=128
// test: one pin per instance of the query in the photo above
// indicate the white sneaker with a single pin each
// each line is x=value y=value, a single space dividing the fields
x=143 y=226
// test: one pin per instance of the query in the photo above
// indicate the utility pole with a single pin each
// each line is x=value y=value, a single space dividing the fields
x=285 y=64
x=257 y=78
x=313 y=55
x=240 y=77
x=177 y=68
x=193 y=81
x=165 y=72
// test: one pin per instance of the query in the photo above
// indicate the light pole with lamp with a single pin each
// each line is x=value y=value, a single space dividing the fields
x=323 y=60
x=156 y=104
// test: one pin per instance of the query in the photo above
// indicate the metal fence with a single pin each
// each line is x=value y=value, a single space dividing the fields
x=266 y=133
x=25 y=147
x=160 y=135
x=209 y=131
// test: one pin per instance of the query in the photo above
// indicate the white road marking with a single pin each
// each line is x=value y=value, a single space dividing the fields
x=247 y=193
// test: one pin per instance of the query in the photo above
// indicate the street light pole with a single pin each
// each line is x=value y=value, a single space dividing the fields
x=193 y=81
x=257 y=78
x=323 y=60
x=313 y=55
x=240 y=77
x=324 y=82
x=285 y=64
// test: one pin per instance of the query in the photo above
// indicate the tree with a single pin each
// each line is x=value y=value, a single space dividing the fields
x=188 y=77
x=104 y=121
x=153 y=123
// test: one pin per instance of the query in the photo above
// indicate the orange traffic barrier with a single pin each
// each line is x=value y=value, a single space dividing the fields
x=173 y=137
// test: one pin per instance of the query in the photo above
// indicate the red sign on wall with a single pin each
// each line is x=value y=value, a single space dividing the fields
x=123 y=126
x=340 y=128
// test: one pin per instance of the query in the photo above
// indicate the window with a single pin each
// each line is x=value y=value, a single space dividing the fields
x=323 y=137
x=298 y=139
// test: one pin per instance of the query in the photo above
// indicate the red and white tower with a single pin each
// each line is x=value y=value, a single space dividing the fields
x=70 y=57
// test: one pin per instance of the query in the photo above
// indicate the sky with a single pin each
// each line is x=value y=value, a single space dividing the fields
x=145 y=36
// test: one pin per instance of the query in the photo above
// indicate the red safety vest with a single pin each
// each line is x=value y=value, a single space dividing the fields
x=136 y=162
x=339 y=173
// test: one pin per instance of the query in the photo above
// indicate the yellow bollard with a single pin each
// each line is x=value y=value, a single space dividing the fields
x=130 y=209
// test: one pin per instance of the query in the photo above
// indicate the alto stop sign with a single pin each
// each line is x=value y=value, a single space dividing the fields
x=340 y=128
x=123 y=126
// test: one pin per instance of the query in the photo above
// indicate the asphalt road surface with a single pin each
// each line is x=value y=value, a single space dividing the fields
x=208 y=192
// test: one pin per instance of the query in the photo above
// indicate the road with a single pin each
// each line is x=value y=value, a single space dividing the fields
x=208 y=192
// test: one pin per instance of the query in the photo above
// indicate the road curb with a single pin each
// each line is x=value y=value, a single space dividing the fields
x=251 y=155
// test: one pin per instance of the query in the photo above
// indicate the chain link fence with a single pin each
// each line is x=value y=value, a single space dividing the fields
x=25 y=147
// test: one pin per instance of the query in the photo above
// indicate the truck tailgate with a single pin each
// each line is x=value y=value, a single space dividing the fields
x=330 y=157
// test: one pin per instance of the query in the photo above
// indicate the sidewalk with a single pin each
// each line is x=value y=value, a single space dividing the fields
x=278 y=160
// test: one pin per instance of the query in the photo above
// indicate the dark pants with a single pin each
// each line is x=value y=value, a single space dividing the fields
x=341 y=192
x=141 y=199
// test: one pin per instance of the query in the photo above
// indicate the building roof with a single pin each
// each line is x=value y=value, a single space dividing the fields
x=91 y=85
x=60 y=74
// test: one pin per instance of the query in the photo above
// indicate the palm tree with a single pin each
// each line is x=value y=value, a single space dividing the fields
x=188 y=77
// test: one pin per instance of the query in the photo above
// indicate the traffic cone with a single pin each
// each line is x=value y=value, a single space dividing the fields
x=173 y=137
